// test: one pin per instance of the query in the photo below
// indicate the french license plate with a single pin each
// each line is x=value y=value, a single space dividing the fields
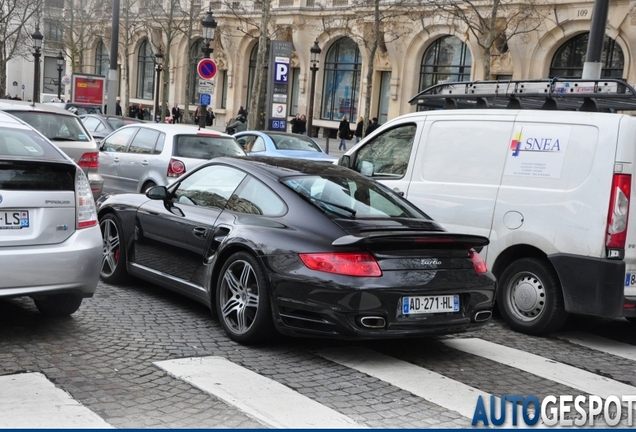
x=430 y=304
x=17 y=219
x=630 y=279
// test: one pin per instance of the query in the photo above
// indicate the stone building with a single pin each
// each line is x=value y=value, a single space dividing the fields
x=418 y=47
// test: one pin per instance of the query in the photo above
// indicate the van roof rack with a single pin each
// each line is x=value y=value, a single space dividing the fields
x=595 y=95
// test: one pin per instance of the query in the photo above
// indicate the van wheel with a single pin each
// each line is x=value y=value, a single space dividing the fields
x=113 y=250
x=530 y=298
x=242 y=300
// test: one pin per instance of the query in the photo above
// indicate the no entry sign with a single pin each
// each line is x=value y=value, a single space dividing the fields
x=206 y=68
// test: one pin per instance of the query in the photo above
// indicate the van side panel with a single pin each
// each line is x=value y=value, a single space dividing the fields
x=458 y=170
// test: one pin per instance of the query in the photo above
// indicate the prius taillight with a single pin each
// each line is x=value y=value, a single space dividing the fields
x=617 y=215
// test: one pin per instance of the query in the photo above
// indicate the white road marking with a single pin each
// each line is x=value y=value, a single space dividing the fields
x=31 y=401
x=266 y=400
x=429 y=385
x=545 y=368
x=598 y=343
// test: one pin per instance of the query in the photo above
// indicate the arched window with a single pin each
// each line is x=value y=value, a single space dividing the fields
x=251 y=74
x=145 y=71
x=102 y=59
x=447 y=59
x=341 y=85
x=196 y=55
x=569 y=58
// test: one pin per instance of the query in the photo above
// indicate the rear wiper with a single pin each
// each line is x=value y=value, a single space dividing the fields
x=338 y=206
x=61 y=139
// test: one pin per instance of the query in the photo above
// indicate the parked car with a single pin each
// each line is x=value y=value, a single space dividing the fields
x=67 y=132
x=50 y=243
x=100 y=126
x=137 y=157
x=282 y=144
x=78 y=108
x=302 y=247
x=550 y=188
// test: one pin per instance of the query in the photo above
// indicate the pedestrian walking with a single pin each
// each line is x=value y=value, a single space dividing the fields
x=344 y=132
x=372 y=126
x=359 y=126
x=239 y=125
x=176 y=114
x=141 y=115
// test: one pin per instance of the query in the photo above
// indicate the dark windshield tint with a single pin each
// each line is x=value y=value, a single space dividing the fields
x=286 y=142
x=206 y=147
x=352 y=197
x=26 y=143
x=55 y=126
x=36 y=176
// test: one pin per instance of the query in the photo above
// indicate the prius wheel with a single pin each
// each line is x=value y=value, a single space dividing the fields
x=242 y=300
x=114 y=254
x=58 y=305
x=530 y=298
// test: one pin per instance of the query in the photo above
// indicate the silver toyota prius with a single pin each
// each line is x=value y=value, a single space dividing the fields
x=50 y=241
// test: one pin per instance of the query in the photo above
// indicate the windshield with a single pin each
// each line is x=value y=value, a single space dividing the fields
x=286 y=142
x=54 y=126
x=206 y=147
x=352 y=197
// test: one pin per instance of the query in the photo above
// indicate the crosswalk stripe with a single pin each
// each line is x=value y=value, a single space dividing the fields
x=429 y=385
x=30 y=400
x=602 y=344
x=542 y=367
x=266 y=400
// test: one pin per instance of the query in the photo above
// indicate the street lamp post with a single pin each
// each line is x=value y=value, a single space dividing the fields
x=208 y=25
x=37 y=46
x=158 y=68
x=315 y=54
x=60 y=66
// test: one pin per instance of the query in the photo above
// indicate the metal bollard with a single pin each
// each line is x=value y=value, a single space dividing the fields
x=327 y=145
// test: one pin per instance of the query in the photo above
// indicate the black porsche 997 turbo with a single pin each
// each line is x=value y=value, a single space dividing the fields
x=298 y=247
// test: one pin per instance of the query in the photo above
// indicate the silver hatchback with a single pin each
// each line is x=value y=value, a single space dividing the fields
x=50 y=242
x=136 y=157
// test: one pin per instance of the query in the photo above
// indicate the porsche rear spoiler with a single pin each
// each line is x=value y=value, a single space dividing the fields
x=420 y=238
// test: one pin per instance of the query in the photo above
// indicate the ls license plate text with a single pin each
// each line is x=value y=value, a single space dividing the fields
x=14 y=219
x=430 y=304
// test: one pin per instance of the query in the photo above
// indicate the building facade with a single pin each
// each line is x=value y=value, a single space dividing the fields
x=418 y=47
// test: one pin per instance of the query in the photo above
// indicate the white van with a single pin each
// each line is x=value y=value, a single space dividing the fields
x=551 y=189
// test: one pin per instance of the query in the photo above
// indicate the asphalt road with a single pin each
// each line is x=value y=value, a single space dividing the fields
x=139 y=356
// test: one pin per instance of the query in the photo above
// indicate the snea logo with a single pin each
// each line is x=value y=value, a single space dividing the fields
x=534 y=144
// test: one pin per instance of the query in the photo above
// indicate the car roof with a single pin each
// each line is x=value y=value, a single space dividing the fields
x=177 y=129
x=277 y=167
x=13 y=105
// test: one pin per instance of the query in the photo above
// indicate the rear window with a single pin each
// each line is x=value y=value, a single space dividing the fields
x=36 y=176
x=300 y=142
x=116 y=123
x=353 y=197
x=56 y=127
x=26 y=143
x=206 y=147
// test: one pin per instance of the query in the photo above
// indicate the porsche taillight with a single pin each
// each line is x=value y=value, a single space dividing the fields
x=478 y=262
x=617 y=215
x=344 y=263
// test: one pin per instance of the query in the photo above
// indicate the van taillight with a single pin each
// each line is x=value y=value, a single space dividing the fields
x=89 y=160
x=176 y=168
x=617 y=215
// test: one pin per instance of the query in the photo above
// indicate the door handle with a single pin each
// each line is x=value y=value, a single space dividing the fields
x=144 y=162
x=115 y=159
x=200 y=232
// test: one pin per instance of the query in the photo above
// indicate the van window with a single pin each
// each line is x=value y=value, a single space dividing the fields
x=387 y=155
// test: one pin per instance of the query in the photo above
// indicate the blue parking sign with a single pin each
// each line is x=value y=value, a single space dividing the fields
x=205 y=99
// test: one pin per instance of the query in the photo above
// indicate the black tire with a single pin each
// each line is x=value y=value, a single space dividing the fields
x=147 y=186
x=113 y=268
x=529 y=297
x=58 y=305
x=631 y=320
x=242 y=300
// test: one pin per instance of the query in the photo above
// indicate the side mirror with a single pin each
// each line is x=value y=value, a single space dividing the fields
x=345 y=161
x=157 y=193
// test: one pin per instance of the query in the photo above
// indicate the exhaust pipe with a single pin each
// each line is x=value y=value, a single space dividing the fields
x=482 y=316
x=374 y=322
